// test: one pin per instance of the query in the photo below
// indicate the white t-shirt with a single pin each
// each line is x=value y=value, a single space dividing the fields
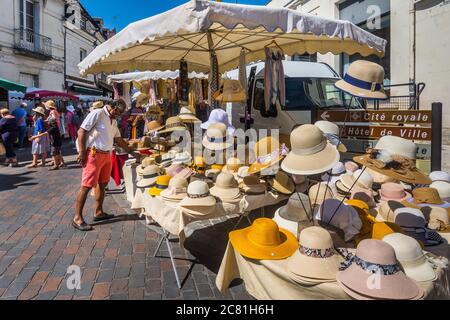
x=102 y=130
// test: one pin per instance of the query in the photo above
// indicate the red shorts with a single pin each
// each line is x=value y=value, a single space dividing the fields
x=97 y=169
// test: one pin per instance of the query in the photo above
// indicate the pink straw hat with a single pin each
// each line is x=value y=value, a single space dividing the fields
x=174 y=169
x=375 y=273
x=393 y=191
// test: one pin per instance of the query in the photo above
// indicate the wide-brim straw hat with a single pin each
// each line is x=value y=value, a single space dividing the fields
x=316 y=259
x=410 y=255
x=188 y=116
x=226 y=187
x=215 y=137
x=230 y=91
x=198 y=195
x=39 y=110
x=311 y=152
x=149 y=176
x=154 y=126
x=173 y=124
x=395 y=285
x=282 y=183
x=98 y=105
x=50 y=104
x=268 y=152
x=252 y=185
x=410 y=175
x=364 y=79
x=264 y=240
x=428 y=196
x=176 y=191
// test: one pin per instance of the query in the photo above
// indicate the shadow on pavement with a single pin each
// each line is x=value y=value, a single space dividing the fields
x=13 y=181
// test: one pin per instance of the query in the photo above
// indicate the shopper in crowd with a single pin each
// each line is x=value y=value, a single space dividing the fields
x=40 y=145
x=21 y=117
x=71 y=122
x=9 y=133
x=55 y=142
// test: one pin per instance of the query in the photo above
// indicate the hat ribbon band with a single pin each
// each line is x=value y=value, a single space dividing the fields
x=384 y=269
x=187 y=114
x=149 y=176
x=198 y=196
x=216 y=140
x=372 y=86
x=312 y=150
x=161 y=186
x=317 y=253
x=274 y=155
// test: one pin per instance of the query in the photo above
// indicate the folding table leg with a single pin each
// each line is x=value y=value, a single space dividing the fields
x=159 y=244
x=173 y=262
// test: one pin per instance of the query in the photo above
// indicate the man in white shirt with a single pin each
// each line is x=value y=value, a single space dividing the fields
x=96 y=137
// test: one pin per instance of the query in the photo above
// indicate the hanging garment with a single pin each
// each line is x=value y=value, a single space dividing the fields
x=243 y=70
x=126 y=94
x=183 y=82
x=275 y=92
x=117 y=162
x=213 y=81
x=152 y=93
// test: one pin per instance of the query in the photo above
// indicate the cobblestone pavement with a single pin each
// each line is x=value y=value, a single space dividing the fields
x=38 y=244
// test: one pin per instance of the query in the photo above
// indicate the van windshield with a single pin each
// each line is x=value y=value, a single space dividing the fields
x=306 y=93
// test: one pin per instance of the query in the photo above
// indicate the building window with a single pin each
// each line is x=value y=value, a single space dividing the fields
x=83 y=23
x=27 y=18
x=29 y=80
x=83 y=54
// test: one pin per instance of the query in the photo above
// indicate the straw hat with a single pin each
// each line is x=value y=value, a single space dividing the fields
x=216 y=137
x=443 y=189
x=316 y=260
x=413 y=223
x=311 y=152
x=438 y=219
x=252 y=185
x=331 y=131
x=198 y=195
x=379 y=177
x=386 y=210
x=301 y=183
x=282 y=183
x=268 y=152
x=230 y=91
x=149 y=175
x=341 y=216
x=162 y=183
x=173 y=124
x=182 y=158
x=218 y=116
x=394 y=157
x=185 y=173
x=439 y=176
x=174 y=169
x=376 y=256
x=50 y=104
x=97 y=105
x=243 y=172
x=226 y=187
x=359 y=178
x=426 y=197
x=147 y=161
x=140 y=97
x=233 y=165
x=393 y=191
x=296 y=213
x=364 y=79
x=39 y=110
x=264 y=240
x=411 y=257
x=188 y=116
x=177 y=189
x=319 y=192
x=351 y=166
x=154 y=126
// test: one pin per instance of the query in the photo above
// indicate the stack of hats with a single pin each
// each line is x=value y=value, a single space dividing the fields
x=198 y=200
x=375 y=273
x=182 y=158
x=162 y=183
x=359 y=178
x=174 y=169
x=173 y=124
x=296 y=214
x=216 y=137
x=188 y=116
x=218 y=116
x=149 y=175
x=147 y=161
x=226 y=188
x=316 y=260
x=176 y=191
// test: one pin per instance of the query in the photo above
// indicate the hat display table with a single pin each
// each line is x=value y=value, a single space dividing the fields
x=269 y=280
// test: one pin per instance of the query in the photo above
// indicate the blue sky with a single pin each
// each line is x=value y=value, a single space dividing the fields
x=120 y=13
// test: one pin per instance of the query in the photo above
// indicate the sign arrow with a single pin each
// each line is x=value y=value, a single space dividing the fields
x=325 y=116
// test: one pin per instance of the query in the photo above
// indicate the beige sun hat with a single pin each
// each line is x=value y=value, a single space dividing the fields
x=379 y=177
x=198 y=195
x=268 y=152
x=226 y=187
x=311 y=152
x=411 y=257
x=295 y=214
x=359 y=178
x=316 y=260
x=147 y=161
x=188 y=116
x=438 y=219
x=216 y=137
x=331 y=131
x=282 y=183
x=364 y=79
x=177 y=189
x=149 y=176
x=39 y=110
x=50 y=104
x=173 y=124
x=318 y=193
x=154 y=126
x=443 y=189
x=252 y=185
x=230 y=91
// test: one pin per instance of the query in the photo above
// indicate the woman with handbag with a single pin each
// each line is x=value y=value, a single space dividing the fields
x=40 y=145
x=9 y=133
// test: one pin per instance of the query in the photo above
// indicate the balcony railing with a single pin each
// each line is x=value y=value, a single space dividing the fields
x=33 y=43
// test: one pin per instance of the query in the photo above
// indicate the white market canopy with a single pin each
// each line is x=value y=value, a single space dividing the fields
x=195 y=29
x=152 y=75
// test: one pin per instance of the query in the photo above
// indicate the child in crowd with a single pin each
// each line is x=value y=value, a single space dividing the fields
x=55 y=142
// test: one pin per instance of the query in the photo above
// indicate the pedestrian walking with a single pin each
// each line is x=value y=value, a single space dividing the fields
x=40 y=145
x=21 y=117
x=96 y=137
x=9 y=133
x=71 y=124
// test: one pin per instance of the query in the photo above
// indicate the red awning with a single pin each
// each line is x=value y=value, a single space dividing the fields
x=45 y=94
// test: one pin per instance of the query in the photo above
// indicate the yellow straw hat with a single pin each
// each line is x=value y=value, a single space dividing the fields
x=264 y=240
x=162 y=183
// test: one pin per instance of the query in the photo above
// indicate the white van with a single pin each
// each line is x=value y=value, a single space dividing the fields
x=309 y=86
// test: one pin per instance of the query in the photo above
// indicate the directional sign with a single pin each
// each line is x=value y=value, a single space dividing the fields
x=377 y=116
x=375 y=132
